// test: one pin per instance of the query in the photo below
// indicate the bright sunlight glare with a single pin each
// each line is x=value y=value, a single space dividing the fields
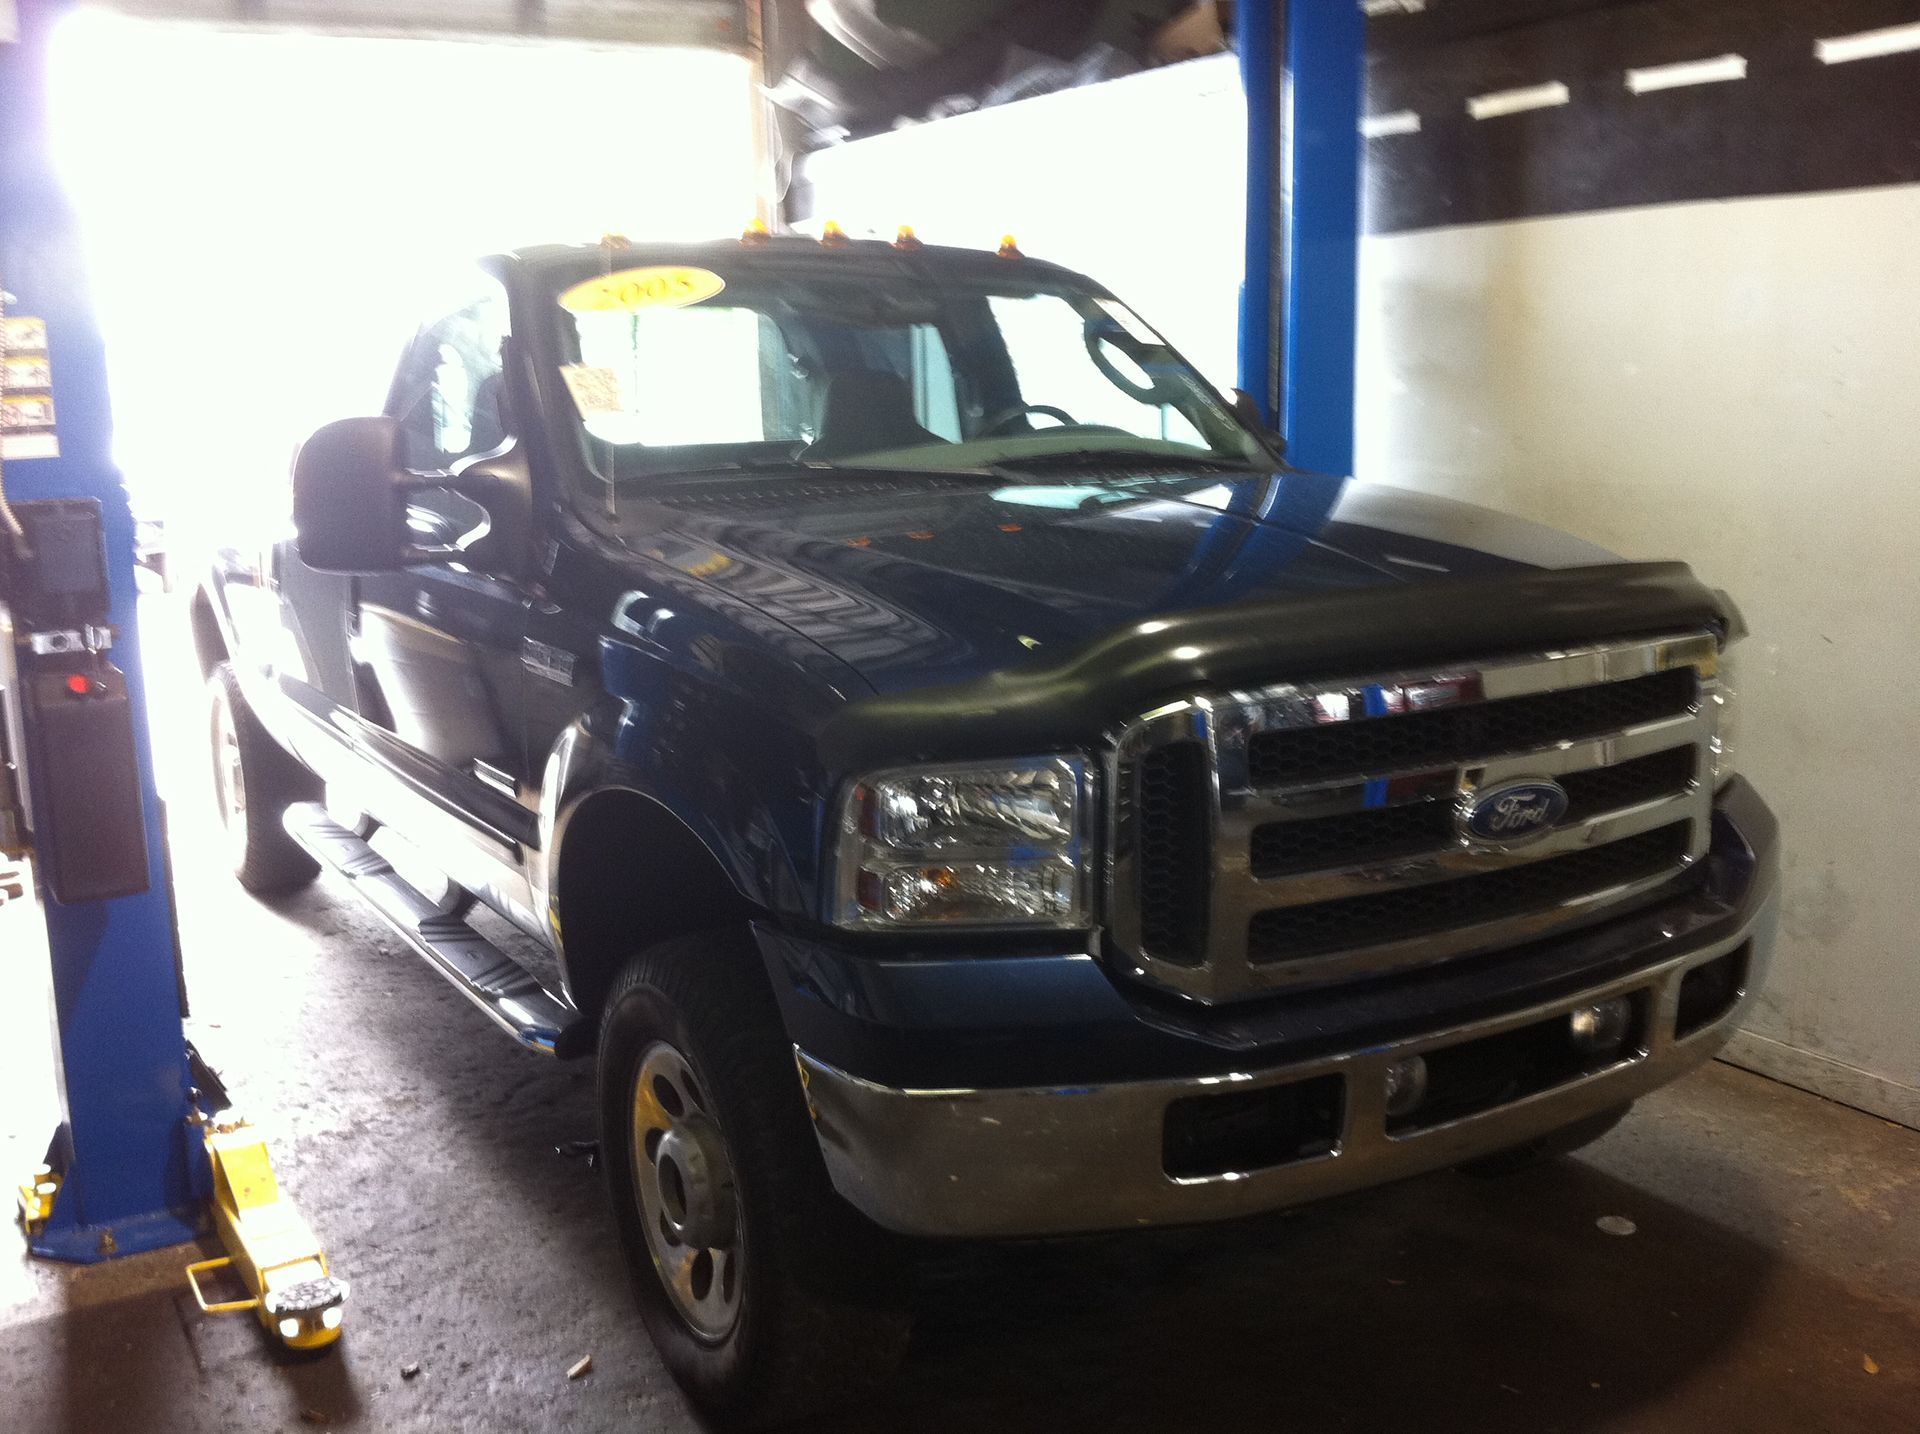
x=269 y=214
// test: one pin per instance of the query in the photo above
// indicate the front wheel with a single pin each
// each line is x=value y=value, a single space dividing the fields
x=767 y=1296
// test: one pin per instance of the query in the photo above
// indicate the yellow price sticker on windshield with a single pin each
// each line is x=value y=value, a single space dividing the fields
x=658 y=286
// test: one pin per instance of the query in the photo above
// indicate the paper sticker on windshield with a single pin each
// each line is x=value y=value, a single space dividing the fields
x=658 y=286
x=594 y=390
x=1136 y=327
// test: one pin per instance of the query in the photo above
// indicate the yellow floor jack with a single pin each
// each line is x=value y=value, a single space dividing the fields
x=269 y=1245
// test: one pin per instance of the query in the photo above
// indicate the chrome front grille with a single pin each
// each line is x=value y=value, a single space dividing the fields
x=1310 y=834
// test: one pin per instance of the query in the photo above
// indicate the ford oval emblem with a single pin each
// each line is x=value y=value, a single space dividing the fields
x=1514 y=812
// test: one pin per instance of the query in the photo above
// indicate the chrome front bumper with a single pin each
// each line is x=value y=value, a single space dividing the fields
x=1060 y=1160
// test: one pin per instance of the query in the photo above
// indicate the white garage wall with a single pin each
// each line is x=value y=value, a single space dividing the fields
x=1736 y=384
x=1105 y=179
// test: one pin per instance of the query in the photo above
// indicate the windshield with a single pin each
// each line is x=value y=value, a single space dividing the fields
x=672 y=369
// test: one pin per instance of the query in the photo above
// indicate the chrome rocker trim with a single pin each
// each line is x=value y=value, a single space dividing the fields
x=1074 y=1159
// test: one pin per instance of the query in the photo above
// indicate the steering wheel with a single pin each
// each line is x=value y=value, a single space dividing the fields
x=1020 y=410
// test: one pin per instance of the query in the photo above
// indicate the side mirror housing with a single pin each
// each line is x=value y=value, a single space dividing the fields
x=349 y=503
x=503 y=488
x=352 y=491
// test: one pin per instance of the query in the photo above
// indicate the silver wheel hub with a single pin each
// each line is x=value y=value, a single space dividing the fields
x=230 y=783
x=689 y=1205
x=696 y=1185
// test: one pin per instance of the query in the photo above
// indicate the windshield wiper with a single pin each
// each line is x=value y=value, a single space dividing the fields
x=892 y=470
x=1130 y=458
x=702 y=470
x=801 y=466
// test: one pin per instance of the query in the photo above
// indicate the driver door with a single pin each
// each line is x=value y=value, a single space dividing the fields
x=435 y=647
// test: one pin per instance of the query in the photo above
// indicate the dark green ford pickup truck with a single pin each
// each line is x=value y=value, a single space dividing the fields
x=963 y=783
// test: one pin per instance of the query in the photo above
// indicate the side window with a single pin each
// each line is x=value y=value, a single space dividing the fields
x=448 y=393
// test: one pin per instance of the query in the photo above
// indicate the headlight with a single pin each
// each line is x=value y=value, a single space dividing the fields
x=989 y=844
x=1720 y=694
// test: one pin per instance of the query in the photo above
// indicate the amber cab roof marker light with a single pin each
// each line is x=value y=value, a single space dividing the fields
x=614 y=241
x=1008 y=249
x=756 y=232
x=906 y=240
x=833 y=236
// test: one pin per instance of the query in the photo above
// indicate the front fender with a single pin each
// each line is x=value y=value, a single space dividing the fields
x=245 y=607
x=758 y=828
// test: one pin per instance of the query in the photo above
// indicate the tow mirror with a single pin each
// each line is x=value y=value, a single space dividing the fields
x=349 y=503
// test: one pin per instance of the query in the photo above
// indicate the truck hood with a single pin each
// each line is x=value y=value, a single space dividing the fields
x=917 y=580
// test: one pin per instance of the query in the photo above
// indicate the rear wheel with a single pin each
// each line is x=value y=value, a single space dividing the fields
x=767 y=1296
x=254 y=782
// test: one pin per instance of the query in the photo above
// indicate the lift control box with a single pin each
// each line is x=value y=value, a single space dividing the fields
x=73 y=777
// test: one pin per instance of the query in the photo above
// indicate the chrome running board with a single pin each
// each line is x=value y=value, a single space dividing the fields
x=510 y=995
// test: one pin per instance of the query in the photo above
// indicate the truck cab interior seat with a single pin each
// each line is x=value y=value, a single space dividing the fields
x=867 y=411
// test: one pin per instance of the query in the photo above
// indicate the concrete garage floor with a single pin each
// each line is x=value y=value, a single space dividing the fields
x=1777 y=1252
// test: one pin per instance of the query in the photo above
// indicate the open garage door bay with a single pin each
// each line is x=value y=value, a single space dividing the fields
x=633 y=22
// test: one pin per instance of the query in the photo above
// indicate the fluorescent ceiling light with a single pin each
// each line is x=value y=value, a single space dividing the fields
x=1508 y=102
x=1687 y=72
x=1395 y=122
x=1867 y=44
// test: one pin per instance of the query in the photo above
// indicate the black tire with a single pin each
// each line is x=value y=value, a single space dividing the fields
x=255 y=780
x=818 y=1313
x=1561 y=1142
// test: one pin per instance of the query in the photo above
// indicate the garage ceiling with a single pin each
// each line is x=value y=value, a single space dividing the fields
x=709 y=23
x=841 y=69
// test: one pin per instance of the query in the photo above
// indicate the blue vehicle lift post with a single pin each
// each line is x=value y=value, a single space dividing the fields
x=134 y=1170
x=1302 y=70
x=1302 y=67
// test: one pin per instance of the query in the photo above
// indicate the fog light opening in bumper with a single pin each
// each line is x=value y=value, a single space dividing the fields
x=1603 y=1027
x=1406 y=1084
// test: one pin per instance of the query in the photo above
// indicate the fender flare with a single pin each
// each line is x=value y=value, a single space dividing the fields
x=578 y=772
